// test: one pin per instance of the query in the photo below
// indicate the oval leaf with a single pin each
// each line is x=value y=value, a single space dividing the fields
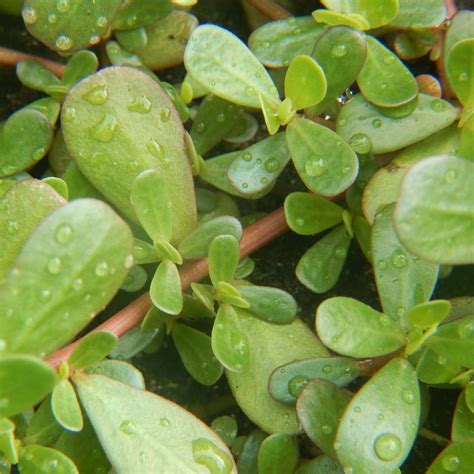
x=278 y=454
x=33 y=458
x=165 y=288
x=92 y=348
x=65 y=406
x=224 y=255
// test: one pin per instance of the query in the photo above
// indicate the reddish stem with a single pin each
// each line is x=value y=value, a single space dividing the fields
x=255 y=236
x=10 y=57
x=270 y=9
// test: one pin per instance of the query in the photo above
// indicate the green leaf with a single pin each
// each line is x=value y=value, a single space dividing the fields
x=341 y=52
x=82 y=252
x=323 y=464
x=425 y=315
x=72 y=26
x=455 y=341
x=276 y=43
x=195 y=351
x=138 y=428
x=256 y=168
x=333 y=18
x=435 y=369
x=460 y=71
x=35 y=459
x=135 y=280
x=165 y=288
x=98 y=117
x=278 y=454
x=456 y=457
x=362 y=232
x=270 y=304
x=384 y=80
x=470 y=396
x=434 y=217
x=380 y=424
x=377 y=334
x=35 y=76
x=143 y=252
x=24 y=139
x=308 y=214
x=22 y=208
x=224 y=255
x=367 y=129
x=214 y=120
x=321 y=265
x=118 y=370
x=152 y=204
x=43 y=428
x=305 y=82
x=7 y=440
x=229 y=343
x=205 y=294
x=92 y=349
x=403 y=280
x=414 y=44
x=226 y=427
x=270 y=346
x=139 y=13
x=198 y=242
x=286 y=382
x=81 y=65
x=78 y=185
x=414 y=14
x=466 y=149
x=24 y=381
x=59 y=185
x=463 y=420
x=270 y=110
x=377 y=14
x=326 y=163
x=320 y=408
x=248 y=456
x=65 y=406
x=219 y=61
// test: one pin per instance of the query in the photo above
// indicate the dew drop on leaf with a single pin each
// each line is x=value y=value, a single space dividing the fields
x=54 y=265
x=315 y=168
x=296 y=385
x=52 y=18
x=327 y=429
x=98 y=95
x=45 y=295
x=376 y=123
x=205 y=452
x=63 y=42
x=101 y=21
x=104 y=130
x=451 y=463
x=390 y=59
x=438 y=105
x=399 y=259
x=387 y=446
x=340 y=252
x=30 y=16
x=361 y=143
x=247 y=156
x=102 y=268
x=271 y=165
x=465 y=329
x=127 y=427
x=141 y=104
x=155 y=149
x=62 y=6
x=69 y=114
x=408 y=396
x=339 y=51
x=249 y=91
x=64 y=234
x=165 y=422
x=382 y=264
x=77 y=284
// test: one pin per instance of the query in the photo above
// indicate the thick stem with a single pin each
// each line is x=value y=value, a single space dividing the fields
x=270 y=9
x=10 y=57
x=255 y=236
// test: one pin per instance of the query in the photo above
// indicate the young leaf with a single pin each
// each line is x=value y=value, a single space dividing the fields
x=384 y=80
x=151 y=202
x=287 y=382
x=34 y=458
x=83 y=251
x=119 y=118
x=333 y=18
x=367 y=129
x=434 y=369
x=278 y=454
x=463 y=420
x=276 y=43
x=376 y=334
x=165 y=288
x=256 y=168
x=36 y=76
x=24 y=139
x=226 y=427
x=138 y=428
x=434 y=217
x=224 y=255
x=425 y=315
x=65 y=406
x=197 y=243
x=455 y=457
x=305 y=82
x=195 y=351
x=118 y=370
x=229 y=343
x=92 y=348
x=320 y=408
x=270 y=346
x=143 y=252
x=321 y=265
x=380 y=423
x=81 y=65
x=270 y=110
x=326 y=163
x=24 y=381
x=403 y=280
x=270 y=304
x=205 y=294
x=225 y=66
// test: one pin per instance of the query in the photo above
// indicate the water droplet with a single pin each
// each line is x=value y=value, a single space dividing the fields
x=266 y=44
x=128 y=263
x=399 y=259
x=29 y=15
x=339 y=50
x=77 y=284
x=205 y=452
x=102 y=268
x=390 y=59
x=271 y=165
x=408 y=396
x=264 y=180
x=385 y=320
x=63 y=233
x=69 y=114
x=3 y=345
x=376 y=123
x=140 y=104
x=442 y=360
x=45 y=295
x=387 y=446
x=382 y=264
x=247 y=156
x=94 y=39
x=296 y=384
x=299 y=222
x=98 y=95
x=357 y=409
x=53 y=464
x=63 y=42
x=465 y=329
x=450 y=176
x=315 y=168
x=249 y=91
x=165 y=422
x=327 y=429
x=155 y=149
x=245 y=185
x=451 y=463
x=383 y=86
x=127 y=427
x=401 y=312
x=438 y=105
x=104 y=130
x=380 y=417
x=101 y=21
x=340 y=252
x=220 y=118
x=12 y=227
x=361 y=143
x=52 y=18
x=62 y=5
x=200 y=127
x=54 y=265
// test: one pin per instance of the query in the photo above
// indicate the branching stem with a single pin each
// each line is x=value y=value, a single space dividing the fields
x=10 y=57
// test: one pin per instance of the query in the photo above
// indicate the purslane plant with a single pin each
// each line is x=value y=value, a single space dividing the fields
x=144 y=189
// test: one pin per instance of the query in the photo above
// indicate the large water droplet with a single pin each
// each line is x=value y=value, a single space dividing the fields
x=315 y=168
x=296 y=384
x=165 y=422
x=69 y=114
x=165 y=114
x=399 y=259
x=339 y=50
x=128 y=427
x=102 y=268
x=63 y=42
x=438 y=105
x=361 y=143
x=387 y=446
x=208 y=454
x=141 y=104
x=451 y=463
x=64 y=233
x=376 y=123
x=54 y=265
x=104 y=130
x=98 y=95
x=271 y=165
x=29 y=15
x=62 y=6
x=101 y=21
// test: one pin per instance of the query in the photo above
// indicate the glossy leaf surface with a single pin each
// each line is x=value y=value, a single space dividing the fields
x=92 y=349
x=278 y=454
x=426 y=314
x=415 y=14
x=463 y=420
x=456 y=457
x=35 y=457
x=65 y=406
x=460 y=71
x=224 y=255
x=118 y=370
x=165 y=288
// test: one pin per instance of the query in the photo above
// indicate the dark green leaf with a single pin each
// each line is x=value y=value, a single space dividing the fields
x=463 y=420
x=362 y=231
x=135 y=280
x=165 y=288
x=226 y=428
x=92 y=349
x=435 y=369
x=278 y=454
x=457 y=457
x=43 y=428
x=248 y=457
x=323 y=464
x=65 y=406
